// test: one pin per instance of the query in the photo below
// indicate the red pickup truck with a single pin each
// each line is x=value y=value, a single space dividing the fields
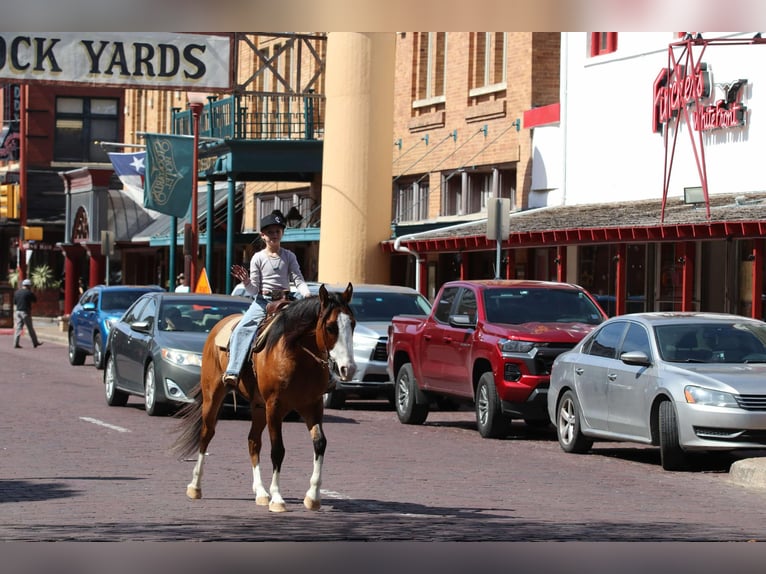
x=490 y=343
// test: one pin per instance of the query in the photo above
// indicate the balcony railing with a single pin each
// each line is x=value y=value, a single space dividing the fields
x=257 y=117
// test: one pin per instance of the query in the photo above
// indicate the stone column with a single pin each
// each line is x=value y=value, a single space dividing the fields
x=358 y=152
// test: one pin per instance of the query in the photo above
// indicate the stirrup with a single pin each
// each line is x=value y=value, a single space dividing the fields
x=230 y=380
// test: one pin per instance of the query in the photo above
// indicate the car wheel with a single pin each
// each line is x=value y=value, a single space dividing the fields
x=405 y=395
x=98 y=351
x=334 y=400
x=151 y=394
x=76 y=356
x=114 y=397
x=491 y=422
x=568 y=425
x=671 y=454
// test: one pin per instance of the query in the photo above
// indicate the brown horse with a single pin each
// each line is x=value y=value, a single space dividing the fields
x=291 y=372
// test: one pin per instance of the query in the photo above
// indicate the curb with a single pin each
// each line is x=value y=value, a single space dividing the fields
x=749 y=472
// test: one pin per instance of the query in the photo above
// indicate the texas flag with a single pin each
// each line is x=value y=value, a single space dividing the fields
x=130 y=168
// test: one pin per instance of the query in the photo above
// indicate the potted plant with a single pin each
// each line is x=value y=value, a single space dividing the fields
x=46 y=287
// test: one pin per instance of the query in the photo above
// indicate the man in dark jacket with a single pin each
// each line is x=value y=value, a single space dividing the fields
x=22 y=302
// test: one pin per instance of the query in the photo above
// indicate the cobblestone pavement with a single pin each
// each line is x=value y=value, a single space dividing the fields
x=74 y=469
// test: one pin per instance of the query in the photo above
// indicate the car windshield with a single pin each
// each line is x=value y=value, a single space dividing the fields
x=196 y=317
x=372 y=307
x=696 y=342
x=516 y=306
x=119 y=300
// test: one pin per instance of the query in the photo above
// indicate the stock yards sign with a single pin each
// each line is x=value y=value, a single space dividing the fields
x=146 y=59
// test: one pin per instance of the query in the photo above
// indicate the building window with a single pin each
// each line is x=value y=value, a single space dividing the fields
x=411 y=200
x=467 y=192
x=489 y=61
x=80 y=122
x=603 y=43
x=430 y=67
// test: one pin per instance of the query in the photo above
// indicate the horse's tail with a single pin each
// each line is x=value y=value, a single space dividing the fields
x=190 y=415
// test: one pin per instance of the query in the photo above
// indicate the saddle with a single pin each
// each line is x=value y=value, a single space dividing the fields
x=272 y=309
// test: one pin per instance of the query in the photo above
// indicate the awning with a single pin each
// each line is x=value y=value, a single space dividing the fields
x=157 y=233
x=731 y=215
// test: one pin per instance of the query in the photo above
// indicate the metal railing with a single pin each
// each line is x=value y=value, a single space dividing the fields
x=258 y=117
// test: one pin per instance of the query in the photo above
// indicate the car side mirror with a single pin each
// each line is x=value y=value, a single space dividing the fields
x=89 y=306
x=636 y=358
x=461 y=321
x=140 y=326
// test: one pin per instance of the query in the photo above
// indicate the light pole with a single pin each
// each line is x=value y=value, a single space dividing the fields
x=196 y=103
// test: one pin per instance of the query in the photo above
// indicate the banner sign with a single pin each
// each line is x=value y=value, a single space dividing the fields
x=168 y=175
x=190 y=62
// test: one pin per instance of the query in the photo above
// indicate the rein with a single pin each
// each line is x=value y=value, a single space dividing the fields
x=320 y=360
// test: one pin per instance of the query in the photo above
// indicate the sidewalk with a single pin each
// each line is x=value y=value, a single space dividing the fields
x=47 y=329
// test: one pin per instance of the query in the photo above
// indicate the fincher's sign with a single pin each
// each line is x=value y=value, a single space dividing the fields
x=131 y=59
x=675 y=89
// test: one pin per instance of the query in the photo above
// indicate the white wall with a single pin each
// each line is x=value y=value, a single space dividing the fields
x=611 y=152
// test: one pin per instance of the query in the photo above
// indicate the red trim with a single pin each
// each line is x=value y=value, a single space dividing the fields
x=667 y=232
x=543 y=115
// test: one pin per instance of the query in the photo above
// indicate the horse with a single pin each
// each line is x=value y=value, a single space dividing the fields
x=290 y=372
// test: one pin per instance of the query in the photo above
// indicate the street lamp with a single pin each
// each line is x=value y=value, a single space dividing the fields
x=196 y=103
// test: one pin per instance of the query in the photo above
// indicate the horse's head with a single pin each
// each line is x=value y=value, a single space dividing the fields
x=336 y=329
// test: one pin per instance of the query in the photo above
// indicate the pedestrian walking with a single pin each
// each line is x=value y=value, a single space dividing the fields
x=22 y=302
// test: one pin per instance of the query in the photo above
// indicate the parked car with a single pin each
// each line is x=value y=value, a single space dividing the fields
x=155 y=349
x=685 y=382
x=92 y=317
x=490 y=344
x=374 y=306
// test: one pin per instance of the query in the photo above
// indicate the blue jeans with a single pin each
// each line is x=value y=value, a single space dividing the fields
x=242 y=336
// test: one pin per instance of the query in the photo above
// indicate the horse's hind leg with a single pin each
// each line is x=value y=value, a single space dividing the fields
x=211 y=404
x=254 y=443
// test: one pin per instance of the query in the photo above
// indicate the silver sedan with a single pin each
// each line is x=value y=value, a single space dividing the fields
x=681 y=381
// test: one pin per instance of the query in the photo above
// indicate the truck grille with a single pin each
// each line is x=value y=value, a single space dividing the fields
x=545 y=355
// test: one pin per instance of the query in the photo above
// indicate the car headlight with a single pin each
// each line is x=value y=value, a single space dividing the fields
x=708 y=397
x=183 y=358
x=509 y=346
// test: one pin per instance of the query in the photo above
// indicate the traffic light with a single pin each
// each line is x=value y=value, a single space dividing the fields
x=9 y=200
x=28 y=233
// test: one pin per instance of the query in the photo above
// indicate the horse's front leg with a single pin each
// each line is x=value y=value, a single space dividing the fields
x=274 y=422
x=255 y=442
x=313 y=498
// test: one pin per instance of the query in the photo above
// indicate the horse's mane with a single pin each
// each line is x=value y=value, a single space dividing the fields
x=298 y=318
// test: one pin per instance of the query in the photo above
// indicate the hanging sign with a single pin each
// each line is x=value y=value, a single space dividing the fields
x=192 y=62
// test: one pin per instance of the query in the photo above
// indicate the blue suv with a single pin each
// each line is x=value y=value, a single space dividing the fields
x=98 y=308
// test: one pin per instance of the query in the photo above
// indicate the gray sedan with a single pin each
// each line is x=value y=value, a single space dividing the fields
x=155 y=350
x=683 y=381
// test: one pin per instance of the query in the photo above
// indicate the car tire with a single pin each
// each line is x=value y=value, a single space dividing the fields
x=98 y=351
x=490 y=420
x=114 y=397
x=154 y=407
x=569 y=425
x=76 y=356
x=334 y=400
x=672 y=455
x=405 y=394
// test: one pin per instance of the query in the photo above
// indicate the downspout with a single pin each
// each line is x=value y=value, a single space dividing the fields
x=418 y=259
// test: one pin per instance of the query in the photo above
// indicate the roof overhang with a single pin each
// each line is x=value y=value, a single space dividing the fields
x=733 y=216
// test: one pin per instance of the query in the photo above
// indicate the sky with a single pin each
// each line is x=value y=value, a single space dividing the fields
x=379 y=15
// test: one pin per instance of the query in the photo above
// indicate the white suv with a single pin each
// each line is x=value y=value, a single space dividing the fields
x=373 y=306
